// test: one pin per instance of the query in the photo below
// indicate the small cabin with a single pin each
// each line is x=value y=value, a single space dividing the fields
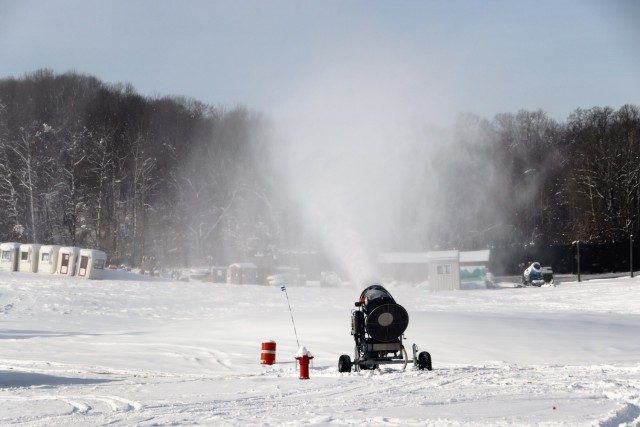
x=29 y=253
x=444 y=270
x=9 y=253
x=242 y=273
x=67 y=257
x=48 y=259
x=91 y=263
x=219 y=274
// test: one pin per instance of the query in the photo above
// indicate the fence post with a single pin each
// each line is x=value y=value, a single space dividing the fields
x=577 y=242
x=631 y=254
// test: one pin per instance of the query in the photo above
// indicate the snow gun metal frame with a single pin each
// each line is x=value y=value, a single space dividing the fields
x=377 y=325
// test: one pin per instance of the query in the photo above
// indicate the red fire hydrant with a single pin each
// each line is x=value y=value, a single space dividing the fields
x=303 y=356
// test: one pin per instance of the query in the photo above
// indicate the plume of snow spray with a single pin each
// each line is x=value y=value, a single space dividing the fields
x=345 y=157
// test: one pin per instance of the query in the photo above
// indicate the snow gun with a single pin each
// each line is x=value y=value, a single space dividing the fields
x=377 y=325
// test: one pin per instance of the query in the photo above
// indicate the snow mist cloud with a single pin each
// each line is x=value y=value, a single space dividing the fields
x=347 y=136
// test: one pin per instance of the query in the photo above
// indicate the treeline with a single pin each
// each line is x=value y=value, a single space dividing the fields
x=171 y=179
x=529 y=187
x=521 y=180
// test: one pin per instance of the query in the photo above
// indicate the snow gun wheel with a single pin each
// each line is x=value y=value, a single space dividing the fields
x=344 y=363
x=424 y=361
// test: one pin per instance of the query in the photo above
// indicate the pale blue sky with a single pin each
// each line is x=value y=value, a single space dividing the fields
x=439 y=57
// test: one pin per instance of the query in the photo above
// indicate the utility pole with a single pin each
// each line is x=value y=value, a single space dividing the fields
x=577 y=243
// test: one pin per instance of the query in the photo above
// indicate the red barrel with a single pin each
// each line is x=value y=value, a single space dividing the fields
x=268 y=356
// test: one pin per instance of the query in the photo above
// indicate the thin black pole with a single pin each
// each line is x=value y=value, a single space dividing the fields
x=578 y=258
x=284 y=288
x=631 y=254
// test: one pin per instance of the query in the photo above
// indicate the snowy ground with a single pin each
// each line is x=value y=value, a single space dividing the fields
x=133 y=352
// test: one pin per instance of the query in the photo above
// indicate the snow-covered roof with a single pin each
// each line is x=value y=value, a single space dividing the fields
x=475 y=256
x=403 y=258
x=442 y=255
x=9 y=245
x=243 y=265
x=95 y=253
x=30 y=245
x=70 y=249
x=421 y=257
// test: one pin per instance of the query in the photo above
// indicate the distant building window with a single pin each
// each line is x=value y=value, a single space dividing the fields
x=24 y=256
x=98 y=264
x=6 y=255
x=45 y=257
x=444 y=269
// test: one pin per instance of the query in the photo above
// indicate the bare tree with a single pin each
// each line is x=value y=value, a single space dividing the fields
x=27 y=162
x=626 y=135
x=9 y=196
x=100 y=162
x=142 y=174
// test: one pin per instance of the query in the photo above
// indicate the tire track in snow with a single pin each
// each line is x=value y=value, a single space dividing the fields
x=89 y=407
x=378 y=397
x=5 y=309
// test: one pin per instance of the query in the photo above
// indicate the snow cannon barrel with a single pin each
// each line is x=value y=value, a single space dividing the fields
x=385 y=320
x=534 y=271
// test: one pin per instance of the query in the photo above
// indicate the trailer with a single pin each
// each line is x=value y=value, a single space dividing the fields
x=91 y=263
x=9 y=255
x=67 y=258
x=48 y=259
x=29 y=253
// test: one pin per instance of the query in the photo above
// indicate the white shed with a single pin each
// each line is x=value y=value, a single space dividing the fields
x=91 y=264
x=67 y=257
x=444 y=270
x=9 y=256
x=242 y=273
x=219 y=274
x=48 y=259
x=29 y=257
